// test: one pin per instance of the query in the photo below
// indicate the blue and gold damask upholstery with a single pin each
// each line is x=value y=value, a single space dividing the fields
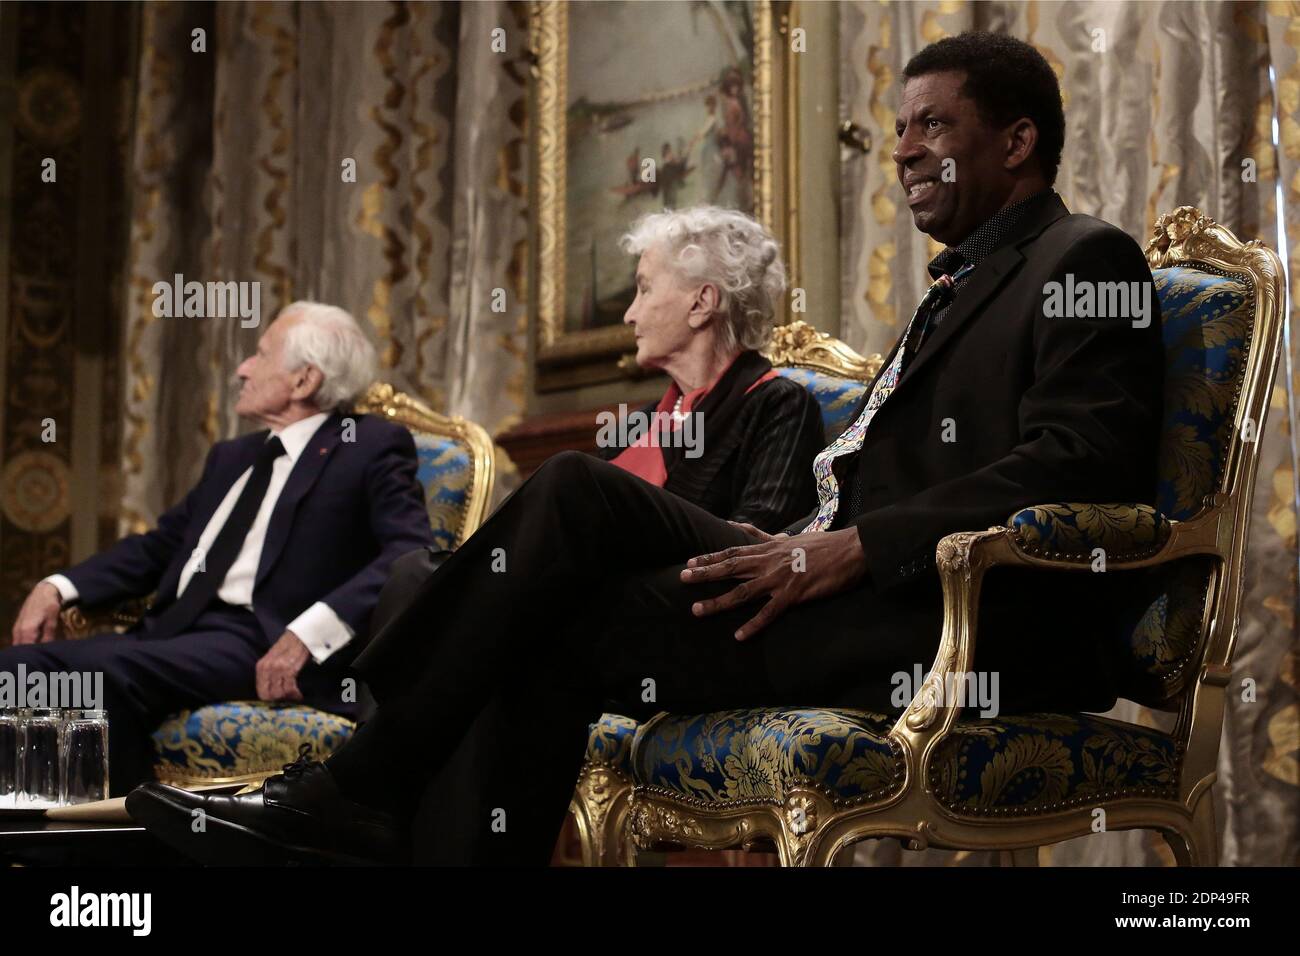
x=837 y=396
x=610 y=742
x=1027 y=763
x=1207 y=321
x=241 y=740
x=445 y=471
x=835 y=374
x=755 y=754
x=1073 y=530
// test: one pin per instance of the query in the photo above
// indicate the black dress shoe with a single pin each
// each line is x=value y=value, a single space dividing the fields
x=299 y=816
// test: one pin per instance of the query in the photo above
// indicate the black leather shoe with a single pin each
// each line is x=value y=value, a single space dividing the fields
x=299 y=816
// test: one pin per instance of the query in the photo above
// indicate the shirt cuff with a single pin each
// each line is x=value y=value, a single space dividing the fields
x=67 y=590
x=321 y=630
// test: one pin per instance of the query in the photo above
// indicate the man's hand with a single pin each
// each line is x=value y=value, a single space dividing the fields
x=785 y=570
x=758 y=534
x=277 y=671
x=38 y=619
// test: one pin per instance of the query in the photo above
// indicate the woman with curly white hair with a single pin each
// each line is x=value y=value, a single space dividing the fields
x=729 y=434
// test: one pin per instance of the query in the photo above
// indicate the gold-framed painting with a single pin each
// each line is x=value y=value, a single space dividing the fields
x=640 y=105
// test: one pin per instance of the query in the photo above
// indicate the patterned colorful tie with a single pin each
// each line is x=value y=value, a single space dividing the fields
x=828 y=488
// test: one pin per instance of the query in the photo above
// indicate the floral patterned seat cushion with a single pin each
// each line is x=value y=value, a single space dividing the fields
x=749 y=755
x=242 y=738
x=836 y=396
x=445 y=471
x=1021 y=764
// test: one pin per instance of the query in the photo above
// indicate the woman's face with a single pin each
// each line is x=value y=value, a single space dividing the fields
x=660 y=313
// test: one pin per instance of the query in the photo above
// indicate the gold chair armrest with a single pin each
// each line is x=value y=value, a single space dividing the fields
x=963 y=558
x=81 y=622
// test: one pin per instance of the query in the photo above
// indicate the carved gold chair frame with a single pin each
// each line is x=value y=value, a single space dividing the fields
x=602 y=798
x=809 y=828
x=382 y=399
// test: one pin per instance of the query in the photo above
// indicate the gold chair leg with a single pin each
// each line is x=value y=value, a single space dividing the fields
x=600 y=808
x=1198 y=844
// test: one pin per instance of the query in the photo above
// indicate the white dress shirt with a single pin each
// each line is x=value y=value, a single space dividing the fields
x=318 y=627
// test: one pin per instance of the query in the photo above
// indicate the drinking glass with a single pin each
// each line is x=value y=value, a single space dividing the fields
x=84 y=757
x=8 y=758
x=38 y=736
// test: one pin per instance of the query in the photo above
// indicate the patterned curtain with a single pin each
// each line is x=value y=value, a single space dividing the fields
x=246 y=137
x=1164 y=101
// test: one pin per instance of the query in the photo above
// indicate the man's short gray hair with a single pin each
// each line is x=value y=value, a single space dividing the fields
x=724 y=248
x=330 y=339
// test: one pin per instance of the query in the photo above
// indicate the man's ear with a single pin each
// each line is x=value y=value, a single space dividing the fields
x=704 y=306
x=1022 y=140
x=306 y=382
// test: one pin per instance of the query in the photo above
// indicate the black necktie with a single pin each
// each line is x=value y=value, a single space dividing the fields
x=204 y=584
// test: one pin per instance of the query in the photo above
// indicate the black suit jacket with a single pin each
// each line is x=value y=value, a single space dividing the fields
x=347 y=510
x=1042 y=410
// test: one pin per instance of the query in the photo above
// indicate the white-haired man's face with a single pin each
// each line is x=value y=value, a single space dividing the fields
x=268 y=389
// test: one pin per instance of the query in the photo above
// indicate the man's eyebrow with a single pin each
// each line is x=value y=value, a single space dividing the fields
x=920 y=114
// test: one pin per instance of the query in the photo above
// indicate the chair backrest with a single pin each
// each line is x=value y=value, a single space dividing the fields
x=834 y=373
x=457 y=468
x=1220 y=302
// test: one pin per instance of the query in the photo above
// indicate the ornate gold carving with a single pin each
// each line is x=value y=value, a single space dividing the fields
x=929 y=700
x=799 y=344
x=600 y=807
x=382 y=399
x=81 y=622
x=653 y=823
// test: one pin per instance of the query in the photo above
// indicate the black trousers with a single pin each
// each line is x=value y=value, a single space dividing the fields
x=565 y=604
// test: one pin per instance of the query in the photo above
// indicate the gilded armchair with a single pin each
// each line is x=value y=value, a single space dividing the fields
x=817 y=781
x=836 y=376
x=244 y=741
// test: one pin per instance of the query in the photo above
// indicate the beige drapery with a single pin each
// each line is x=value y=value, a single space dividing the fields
x=238 y=174
x=1164 y=117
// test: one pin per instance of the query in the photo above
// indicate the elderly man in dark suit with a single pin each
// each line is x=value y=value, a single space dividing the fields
x=996 y=397
x=267 y=569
